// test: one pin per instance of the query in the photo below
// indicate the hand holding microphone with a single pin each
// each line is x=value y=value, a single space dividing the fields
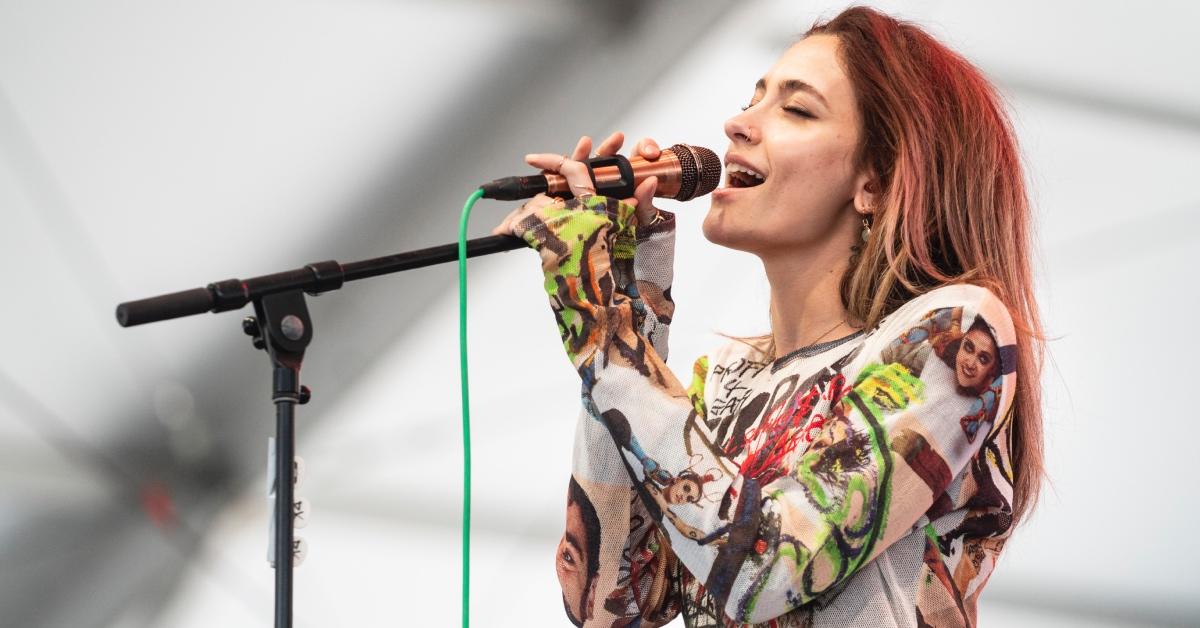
x=574 y=173
x=681 y=172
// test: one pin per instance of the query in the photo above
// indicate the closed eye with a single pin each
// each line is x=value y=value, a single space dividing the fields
x=800 y=111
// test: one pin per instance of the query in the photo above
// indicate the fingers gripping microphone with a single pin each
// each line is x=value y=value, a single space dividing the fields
x=684 y=172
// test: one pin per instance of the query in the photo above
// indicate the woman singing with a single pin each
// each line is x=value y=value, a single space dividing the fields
x=865 y=461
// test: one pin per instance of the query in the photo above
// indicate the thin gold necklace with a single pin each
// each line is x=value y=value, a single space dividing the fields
x=822 y=336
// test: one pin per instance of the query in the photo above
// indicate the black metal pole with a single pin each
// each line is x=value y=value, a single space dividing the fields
x=286 y=395
x=428 y=257
x=232 y=294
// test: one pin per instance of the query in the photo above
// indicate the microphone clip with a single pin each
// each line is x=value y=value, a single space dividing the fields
x=620 y=188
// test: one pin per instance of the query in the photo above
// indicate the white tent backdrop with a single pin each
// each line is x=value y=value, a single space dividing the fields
x=132 y=136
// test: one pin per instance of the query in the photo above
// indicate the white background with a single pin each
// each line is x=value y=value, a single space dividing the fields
x=150 y=146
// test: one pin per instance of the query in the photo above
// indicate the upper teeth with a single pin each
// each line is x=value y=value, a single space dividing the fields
x=732 y=167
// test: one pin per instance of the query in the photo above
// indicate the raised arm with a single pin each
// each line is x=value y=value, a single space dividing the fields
x=613 y=563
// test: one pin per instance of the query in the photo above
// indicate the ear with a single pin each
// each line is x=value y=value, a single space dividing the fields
x=866 y=194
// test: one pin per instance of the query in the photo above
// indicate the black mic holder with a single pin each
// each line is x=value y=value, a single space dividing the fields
x=281 y=326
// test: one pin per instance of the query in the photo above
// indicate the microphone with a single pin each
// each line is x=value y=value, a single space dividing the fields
x=684 y=172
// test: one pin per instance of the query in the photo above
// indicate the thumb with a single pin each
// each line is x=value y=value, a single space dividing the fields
x=644 y=195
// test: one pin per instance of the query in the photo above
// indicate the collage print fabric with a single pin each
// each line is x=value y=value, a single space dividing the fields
x=869 y=484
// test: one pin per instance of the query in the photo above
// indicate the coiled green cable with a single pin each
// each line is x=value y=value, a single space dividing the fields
x=466 y=405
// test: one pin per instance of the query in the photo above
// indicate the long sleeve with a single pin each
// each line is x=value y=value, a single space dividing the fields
x=823 y=474
x=614 y=564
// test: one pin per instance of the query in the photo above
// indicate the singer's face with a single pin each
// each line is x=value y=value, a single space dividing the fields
x=798 y=136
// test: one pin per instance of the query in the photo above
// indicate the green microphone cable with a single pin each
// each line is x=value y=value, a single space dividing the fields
x=466 y=405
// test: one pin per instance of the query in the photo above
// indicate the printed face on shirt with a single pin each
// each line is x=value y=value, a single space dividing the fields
x=975 y=365
x=571 y=563
x=683 y=491
x=577 y=551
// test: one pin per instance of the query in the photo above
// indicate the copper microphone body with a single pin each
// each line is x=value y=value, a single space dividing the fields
x=666 y=168
x=684 y=172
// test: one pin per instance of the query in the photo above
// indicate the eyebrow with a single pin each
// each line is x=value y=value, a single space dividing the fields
x=793 y=85
x=573 y=542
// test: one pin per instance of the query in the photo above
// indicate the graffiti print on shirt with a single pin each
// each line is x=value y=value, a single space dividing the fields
x=733 y=394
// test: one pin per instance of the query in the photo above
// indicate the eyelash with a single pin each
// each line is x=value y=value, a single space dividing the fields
x=804 y=113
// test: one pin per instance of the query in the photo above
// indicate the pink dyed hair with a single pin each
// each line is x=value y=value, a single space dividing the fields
x=953 y=206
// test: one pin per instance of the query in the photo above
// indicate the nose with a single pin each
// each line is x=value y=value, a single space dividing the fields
x=741 y=128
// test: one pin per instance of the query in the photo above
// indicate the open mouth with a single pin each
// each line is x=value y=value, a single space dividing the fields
x=737 y=176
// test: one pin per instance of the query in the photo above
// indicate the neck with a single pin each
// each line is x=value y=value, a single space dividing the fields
x=806 y=306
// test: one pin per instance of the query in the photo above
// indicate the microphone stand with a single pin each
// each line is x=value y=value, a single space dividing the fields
x=281 y=326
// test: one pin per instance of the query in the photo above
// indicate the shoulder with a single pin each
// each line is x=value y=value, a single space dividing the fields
x=736 y=357
x=742 y=349
x=953 y=323
x=963 y=305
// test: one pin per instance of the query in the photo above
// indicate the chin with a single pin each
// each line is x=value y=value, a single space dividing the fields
x=717 y=228
x=709 y=227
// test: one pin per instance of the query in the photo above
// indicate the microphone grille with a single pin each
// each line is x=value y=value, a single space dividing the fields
x=701 y=171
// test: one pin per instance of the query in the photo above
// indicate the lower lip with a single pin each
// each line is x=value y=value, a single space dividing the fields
x=721 y=194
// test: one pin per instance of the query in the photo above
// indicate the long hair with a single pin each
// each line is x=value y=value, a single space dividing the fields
x=952 y=202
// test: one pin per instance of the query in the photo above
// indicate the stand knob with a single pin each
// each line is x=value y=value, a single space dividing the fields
x=305 y=394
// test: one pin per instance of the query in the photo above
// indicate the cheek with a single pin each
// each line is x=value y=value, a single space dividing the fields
x=827 y=146
x=819 y=173
x=560 y=565
x=814 y=184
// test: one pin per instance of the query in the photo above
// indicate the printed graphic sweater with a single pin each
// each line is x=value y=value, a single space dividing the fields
x=868 y=484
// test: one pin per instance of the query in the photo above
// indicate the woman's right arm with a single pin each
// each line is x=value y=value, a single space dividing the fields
x=613 y=563
x=640 y=575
